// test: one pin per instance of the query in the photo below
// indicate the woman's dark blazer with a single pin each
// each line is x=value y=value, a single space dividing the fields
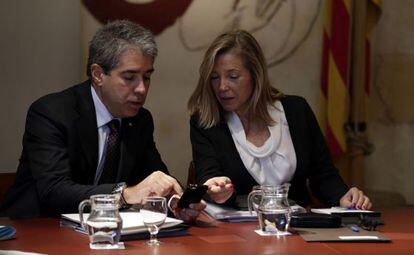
x=215 y=154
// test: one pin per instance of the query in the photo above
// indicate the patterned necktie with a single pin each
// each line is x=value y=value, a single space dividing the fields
x=110 y=168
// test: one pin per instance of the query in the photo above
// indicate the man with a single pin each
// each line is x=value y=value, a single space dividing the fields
x=95 y=137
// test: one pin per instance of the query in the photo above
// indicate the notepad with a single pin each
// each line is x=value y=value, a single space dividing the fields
x=350 y=216
x=341 y=210
x=132 y=222
x=226 y=213
x=343 y=234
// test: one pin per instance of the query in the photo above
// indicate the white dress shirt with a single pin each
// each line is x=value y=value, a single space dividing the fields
x=103 y=116
x=274 y=162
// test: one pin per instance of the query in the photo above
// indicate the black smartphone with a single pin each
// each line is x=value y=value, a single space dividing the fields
x=192 y=194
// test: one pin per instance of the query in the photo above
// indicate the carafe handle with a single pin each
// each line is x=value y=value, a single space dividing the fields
x=80 y=208
x=250 y=200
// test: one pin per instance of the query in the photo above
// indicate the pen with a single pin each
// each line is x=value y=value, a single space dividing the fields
x=354 y=228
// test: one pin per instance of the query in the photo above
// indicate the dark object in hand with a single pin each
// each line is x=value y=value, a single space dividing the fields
x=193 y=194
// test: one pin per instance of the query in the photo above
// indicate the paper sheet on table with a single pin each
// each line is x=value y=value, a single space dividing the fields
x=226 y=213
x=132 y=222
x=334 y=210
x=14 y=252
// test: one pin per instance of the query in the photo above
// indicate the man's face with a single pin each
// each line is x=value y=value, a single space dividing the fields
x=124 y=89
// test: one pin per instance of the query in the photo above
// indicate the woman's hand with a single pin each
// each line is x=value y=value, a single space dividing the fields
x=355 y=198
x=219 y=189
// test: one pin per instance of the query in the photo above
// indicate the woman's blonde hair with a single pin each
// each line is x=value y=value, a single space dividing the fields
x=203 y=101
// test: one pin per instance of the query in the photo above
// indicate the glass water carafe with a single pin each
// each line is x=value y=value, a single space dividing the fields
x=104 y=223
x=272 y=208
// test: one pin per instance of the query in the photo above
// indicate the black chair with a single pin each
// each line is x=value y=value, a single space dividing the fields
x=6 y=180
x=191 y=179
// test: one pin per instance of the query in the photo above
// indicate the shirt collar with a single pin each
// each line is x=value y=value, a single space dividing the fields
x=103 y=116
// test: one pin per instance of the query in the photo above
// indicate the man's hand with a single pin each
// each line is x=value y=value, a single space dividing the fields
x=156 y=184
x=219 y=189
x=355 y=198
x=189 y=214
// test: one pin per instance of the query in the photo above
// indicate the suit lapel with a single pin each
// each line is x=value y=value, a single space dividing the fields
x=87 y=128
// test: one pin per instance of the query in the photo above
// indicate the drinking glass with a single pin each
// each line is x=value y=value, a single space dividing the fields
x=154 y=213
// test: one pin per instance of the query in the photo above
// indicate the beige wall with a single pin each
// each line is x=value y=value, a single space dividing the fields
x=391 y=167
x=41 y=52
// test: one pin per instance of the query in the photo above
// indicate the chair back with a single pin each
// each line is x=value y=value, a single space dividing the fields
x=6 y=180
x=191 y=179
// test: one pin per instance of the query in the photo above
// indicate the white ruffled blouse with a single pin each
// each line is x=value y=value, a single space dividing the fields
x=273 y=163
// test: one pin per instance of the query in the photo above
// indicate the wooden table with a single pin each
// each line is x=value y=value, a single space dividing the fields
x=45 y=236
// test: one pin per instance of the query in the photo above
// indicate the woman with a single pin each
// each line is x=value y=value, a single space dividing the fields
x=245 y=132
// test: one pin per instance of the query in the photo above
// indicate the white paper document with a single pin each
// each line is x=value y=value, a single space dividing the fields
x=14 y=252
x=226 y=213
x=358 y=237
x=220 y=212
x=339 y=210
x=132 y=222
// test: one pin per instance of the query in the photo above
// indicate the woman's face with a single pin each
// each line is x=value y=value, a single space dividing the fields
x=231 y=82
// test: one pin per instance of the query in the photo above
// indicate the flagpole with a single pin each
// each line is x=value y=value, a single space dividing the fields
x=357 y=125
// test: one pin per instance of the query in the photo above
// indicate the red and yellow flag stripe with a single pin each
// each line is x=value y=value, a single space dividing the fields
x=335 y=73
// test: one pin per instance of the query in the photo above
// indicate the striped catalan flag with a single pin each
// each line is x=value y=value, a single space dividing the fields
x=336 y=86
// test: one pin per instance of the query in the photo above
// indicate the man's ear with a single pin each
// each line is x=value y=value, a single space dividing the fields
x=97 y=74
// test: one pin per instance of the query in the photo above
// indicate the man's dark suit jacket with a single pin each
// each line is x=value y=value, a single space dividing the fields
x=60 y=154
x=215 y=154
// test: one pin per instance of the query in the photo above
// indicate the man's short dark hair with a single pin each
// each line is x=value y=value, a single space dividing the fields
x=113 y=39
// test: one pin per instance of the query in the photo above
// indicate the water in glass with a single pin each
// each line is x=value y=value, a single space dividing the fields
x=273 y=209
x=154 y=213
x=104 y=232
x=104 y=223
x=274 y=221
